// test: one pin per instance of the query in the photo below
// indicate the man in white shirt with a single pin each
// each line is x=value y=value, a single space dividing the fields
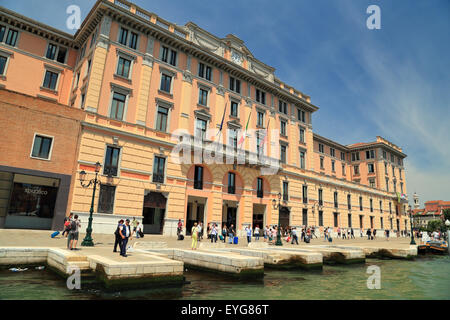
x=125 y=234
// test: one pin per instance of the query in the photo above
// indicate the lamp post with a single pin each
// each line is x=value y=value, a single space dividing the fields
x=87 y=241
x=447 y=223
x=278 y=206
x=412 y=231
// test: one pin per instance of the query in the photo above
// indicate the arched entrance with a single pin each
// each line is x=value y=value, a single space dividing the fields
x=284 y=217
x=154 y=212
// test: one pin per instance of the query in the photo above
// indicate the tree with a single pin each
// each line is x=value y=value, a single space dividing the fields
x=446 y=214
x=435 y=225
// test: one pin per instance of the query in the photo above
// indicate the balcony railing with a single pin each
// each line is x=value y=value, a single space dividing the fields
x=198 y=184
x=260 y=193
x=158 y=177
x=231 y=189
x=110 y=171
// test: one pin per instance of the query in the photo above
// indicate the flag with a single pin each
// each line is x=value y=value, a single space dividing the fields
x=263 y=142
x=245 y=132
x=223 y=118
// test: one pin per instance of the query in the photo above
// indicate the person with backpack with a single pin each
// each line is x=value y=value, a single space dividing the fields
x=67 y=225
x=231 y=234
x=118 y=239
x=75 y=224
x=214 y=233
x=369 y=233
x=224 y=233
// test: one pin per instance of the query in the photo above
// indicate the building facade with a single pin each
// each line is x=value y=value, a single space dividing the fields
x=433 y=211
x=138 y=79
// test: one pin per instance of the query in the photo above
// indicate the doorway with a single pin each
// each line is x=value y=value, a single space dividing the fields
x=195 y=213
x=284 y=217
x=154 y=213
x=258 y=216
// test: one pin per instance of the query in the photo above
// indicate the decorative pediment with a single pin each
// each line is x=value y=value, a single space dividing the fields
x=234 y=124
x=202 y=114
x=205 y=39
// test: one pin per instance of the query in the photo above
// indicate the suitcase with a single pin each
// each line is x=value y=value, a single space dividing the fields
x=307 y=239
x=235 y=240
x=54 y=234
x=180 y=237
x=221 y=237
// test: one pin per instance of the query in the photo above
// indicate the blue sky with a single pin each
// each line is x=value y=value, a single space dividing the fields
x=393 y=82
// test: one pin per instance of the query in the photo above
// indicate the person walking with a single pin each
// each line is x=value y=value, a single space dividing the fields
x=266 y=233
x=118 y=238
x=125 y=235
x=75 y=224
x=339 y=232
x=361 y=232
x=313 y=232
x=374 y=234
x=67 y=225
x=200 y=231
x=194 y=235
x=138 y=230
x=368 y=233
x=248 y=230
x=386 y=232
x=256 y=233
x=352 y=233
x=344 y=234
x=134 y=224
x=325 y=234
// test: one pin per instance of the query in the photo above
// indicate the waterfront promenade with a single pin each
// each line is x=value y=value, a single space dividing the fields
x=38 y=238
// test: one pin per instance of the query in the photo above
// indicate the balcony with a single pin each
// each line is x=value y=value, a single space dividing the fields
x=231 y=189
x=110 y=171
x=158 y=178
x=198 y=184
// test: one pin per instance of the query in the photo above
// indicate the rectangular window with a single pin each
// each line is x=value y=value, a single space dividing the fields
x=333 y=169
x=123 y=67
x=401 y=187
x=356 y=170
x=2 y=65
x=260 y=188
x=133 y=41
x=305 y=194
x=381 y=207
x=305 y=217
x=370 y=154
x=2 y=32
x=173 y=58
x=349 y=220
x=336 y=221
x=285 y=191
x=283 y=154
x=355 y=156
x=161 y=119
x=301 y=115
x=203 y=97
x=332 y=152
x=165 y=54
x=51 y=51
x=106 y=199
x=88 y=69
x=41 y=147
x=381 y=222
x=392 y=158
x=282 y=107
x=320 y=218
x=371 y=205
x=349 y=202
x=198 y=178
x=283 y=127
x=320 y=197
x=320 y=147
x=158 y=169
x=302 y=160
x=336 y=199
x=83 y=98
x=384 y=155
x=111 y=161
x=61 y=56
x=372 y=183
x=200 y=130
x=342 y=156
x=166 y=83
x=118 y=106
x=343 y=169
x=360 y=204
x=387 y=184
x=50 y=80
x=302 y=135
x=235 y=85
x=371 y=167
x=204 y=71
x=234 y=109
x=123 y=37
x=94 y=37
x=321 y=163
x=231 y=183
x=233 y=138
x=11 y=38
x=260 y=96
x=260 y=119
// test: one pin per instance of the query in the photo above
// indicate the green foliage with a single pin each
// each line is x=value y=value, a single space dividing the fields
x=436 y=225
x=446 y=213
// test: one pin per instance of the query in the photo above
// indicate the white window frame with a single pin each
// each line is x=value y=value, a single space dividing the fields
x=7 y=55
x=198 y=69
x=119 y=161
x=130 y=30
x=238 y=106
x=7 y=28
x=58 y=46
x=168 y=73
x=51 y=146
x=164 y=104
x=54 y=70
x=169 y=55
x=205 y=88
x=127 y=56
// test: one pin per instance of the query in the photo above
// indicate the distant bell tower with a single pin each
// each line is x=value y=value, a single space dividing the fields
x=416 y=201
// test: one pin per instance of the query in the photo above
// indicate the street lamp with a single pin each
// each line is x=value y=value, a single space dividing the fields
x=278 y=206
x=87 y=241
x=412 y=231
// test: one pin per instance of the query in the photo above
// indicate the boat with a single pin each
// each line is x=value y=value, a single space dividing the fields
x=433 y=247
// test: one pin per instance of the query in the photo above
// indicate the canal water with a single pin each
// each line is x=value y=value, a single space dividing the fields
x=423 y=278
